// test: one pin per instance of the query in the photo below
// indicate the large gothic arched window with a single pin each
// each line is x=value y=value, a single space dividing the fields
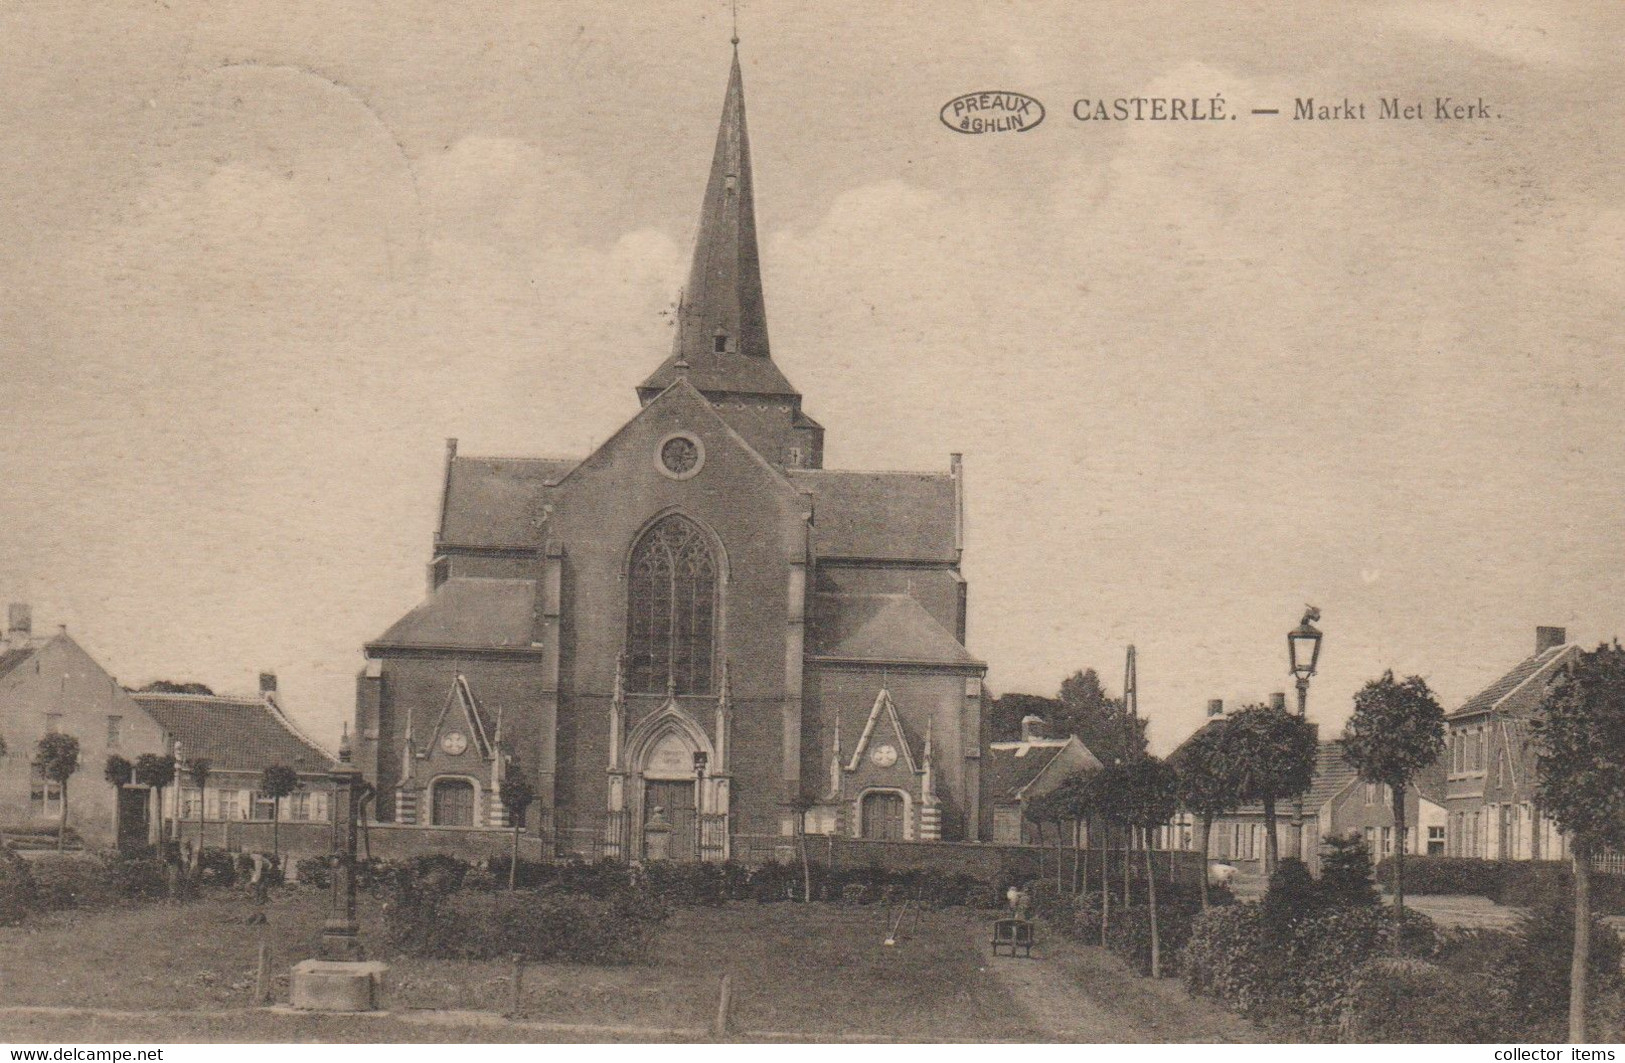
x=671 y=610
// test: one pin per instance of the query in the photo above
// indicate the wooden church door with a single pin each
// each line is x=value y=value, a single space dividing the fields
x=883 y=817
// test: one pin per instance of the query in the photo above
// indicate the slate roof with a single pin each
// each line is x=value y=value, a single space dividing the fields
x=11 y=658
x=233 y=733
x=1430 y=784
x=467 y=611
x=491 y=501
x=882 y=627
x=904 y=516
x=1521 y=680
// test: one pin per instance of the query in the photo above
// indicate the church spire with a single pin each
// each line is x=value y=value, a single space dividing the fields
x=722 y=319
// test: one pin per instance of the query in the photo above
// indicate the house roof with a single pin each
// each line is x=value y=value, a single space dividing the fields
x=467 y=611
x=491 y=501
x=1430 y=783
x=234 y=733
x=1518 y=690
x=903 y=516
x=882 y=627
x=11 y=658
x=1332 y=774
x=1009 y=768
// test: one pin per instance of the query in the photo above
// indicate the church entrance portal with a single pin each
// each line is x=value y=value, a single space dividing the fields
x=675 y=799
x=883 y=817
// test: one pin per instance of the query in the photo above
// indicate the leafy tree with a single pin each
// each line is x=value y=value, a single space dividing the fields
x=1100 y=721
x=170 y=686
x=1345 y=872
x=276 y=782
x=1209 y=783
x=1149 y=800
x=1076 y=803
x=198 y=769
x=1396 y=732
x=57 y=756
x=516 y=793
x=1007 y=711
x=157 y=773
x=118 y=772
x=1579 y=736
x=1274 y=754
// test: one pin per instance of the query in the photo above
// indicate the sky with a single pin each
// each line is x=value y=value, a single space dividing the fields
x=261 y=260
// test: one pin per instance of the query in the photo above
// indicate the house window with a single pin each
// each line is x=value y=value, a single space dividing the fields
x=793 y=458
x=307 y=806
x=44 y=795
x=671 y=610
x=228 y=804
x=720 y=343
x=1371 y=840
x=115 y=731
x=1370 y=793
x=264 y=807
x=1387 y=841
x=191 y=802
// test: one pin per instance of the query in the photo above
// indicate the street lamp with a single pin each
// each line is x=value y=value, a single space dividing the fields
x=700 y=759
x=1303 y=651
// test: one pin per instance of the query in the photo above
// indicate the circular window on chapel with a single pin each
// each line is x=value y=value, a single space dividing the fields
x=679 y=456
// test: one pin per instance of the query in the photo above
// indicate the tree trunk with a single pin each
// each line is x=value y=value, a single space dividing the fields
x=1060 y=860
x=806 y=865
x=276 y=830
x=1105 y=885
x=1084 y=888
x=1272 y=844
x=513 y=862
x=1151 y=901
x=1128 y=866
x=1207 y=838
x=1580 y=967
x=62 y=823
x=1399 y=855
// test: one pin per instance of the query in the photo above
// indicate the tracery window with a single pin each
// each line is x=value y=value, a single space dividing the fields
x=671 y=610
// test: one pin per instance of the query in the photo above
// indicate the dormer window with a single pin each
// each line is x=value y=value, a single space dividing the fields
x=721 y=343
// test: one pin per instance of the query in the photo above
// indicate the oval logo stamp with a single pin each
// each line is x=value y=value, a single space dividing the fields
x=994 y=111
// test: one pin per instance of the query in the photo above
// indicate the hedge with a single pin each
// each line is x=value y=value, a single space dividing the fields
x=534 y=924
x=1409 y=1001
x=1518 y=883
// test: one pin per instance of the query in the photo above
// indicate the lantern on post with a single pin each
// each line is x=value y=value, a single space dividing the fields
x=1303 y=654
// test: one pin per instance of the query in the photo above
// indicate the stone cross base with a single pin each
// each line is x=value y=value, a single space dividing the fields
x=326 y=985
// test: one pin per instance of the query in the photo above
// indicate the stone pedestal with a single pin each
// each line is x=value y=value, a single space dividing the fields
x=325 y=985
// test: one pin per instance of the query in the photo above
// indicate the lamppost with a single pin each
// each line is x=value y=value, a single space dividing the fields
x=700 y=759
x=341 y=934
x=1303 y=651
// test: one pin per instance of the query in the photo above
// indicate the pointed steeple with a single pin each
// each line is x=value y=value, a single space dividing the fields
x=721 y=342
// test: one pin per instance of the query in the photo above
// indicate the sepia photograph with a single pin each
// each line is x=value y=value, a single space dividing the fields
x=780 y=522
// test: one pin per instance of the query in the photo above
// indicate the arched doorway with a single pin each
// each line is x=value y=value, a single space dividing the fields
x=452 y=803
x=669 y=784
x=882 y=816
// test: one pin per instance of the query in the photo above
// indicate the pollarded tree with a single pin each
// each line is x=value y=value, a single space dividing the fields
x=1039 y=810
x=1149 y=800
x=57 y=756
x=1209 y=783
x=1580 y=760
x=516 y=795
x=276 y=782
x=1396 y=732
x=1274 y=754
x=156 y=773
x=198 y=769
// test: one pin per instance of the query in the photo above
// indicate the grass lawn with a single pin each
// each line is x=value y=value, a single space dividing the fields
x=816 y=970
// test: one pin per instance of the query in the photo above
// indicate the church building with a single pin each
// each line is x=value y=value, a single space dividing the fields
x=697 y=623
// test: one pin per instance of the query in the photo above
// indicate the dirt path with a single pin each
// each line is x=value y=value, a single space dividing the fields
x=1079 y=993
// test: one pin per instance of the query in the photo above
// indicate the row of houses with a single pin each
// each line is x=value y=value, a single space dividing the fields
x=1478 y=800
x=50 y=684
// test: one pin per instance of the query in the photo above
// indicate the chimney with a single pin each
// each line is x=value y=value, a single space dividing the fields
x=1215 y=707
x=19 y=624
x=1546 y=638
x=267 y=682
x=1278 y=700
x=1029 y=728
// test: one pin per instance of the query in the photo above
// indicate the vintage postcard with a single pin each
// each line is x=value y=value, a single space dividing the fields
x=789 y=522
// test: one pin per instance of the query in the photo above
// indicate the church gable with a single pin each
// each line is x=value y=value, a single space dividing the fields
x=460 y=731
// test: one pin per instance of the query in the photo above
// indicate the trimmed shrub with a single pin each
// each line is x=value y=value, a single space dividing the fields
x=1228 y=958
x=18 y=895
x=217 y=867
x=1409 y=1001
x=139 y=878
x=535 y=924
x=1346 y=876
x=1516 y=883
x=71 y=881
